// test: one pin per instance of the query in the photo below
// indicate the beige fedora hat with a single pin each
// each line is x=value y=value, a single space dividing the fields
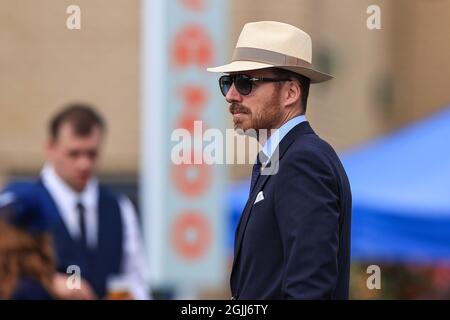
x=268 y=44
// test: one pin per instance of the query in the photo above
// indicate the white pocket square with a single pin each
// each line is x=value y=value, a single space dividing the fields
x=259 y=197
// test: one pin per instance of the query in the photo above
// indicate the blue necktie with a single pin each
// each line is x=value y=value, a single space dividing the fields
x=256 y=171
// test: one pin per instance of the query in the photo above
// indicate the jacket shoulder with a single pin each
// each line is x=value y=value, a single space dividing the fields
x=311 y=146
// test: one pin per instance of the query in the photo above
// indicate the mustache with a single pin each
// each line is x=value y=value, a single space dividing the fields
x=238 y=108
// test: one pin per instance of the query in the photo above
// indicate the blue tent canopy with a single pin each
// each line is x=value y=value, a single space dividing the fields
x=401 y=194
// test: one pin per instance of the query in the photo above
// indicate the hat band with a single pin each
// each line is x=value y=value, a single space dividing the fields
x=269 y=57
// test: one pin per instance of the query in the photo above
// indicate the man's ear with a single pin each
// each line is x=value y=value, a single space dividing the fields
x=49 y=145
x=293 y=93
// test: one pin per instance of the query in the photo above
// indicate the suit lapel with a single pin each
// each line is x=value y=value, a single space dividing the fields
x=300 y=129
x=246 y=212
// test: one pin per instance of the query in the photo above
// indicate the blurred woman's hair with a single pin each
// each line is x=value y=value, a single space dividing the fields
x=24 y=254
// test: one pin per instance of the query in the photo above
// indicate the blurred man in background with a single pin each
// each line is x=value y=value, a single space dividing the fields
x=95 y=229
x=293 y=238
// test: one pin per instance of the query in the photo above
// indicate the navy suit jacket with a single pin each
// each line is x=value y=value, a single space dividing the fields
x=295 y=243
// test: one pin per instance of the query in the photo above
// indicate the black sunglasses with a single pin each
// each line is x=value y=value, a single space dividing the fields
x=242 y=83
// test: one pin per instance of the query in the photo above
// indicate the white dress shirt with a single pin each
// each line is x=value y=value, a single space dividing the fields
x=134 y=265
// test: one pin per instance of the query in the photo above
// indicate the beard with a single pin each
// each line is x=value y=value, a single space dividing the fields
x=267 y=116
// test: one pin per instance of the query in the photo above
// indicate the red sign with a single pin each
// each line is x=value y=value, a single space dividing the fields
x=191 y=235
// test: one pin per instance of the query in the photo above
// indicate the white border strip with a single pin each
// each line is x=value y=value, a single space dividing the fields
x=152 y=182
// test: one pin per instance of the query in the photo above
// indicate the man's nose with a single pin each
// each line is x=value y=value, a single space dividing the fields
x=85 y=162
x=233 y=95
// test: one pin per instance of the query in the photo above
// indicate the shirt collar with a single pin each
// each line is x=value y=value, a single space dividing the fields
x=63 y=191
x=275 y=138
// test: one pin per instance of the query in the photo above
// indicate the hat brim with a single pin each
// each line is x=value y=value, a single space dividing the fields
x=238 y=66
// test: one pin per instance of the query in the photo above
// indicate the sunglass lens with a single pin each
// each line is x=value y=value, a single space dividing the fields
x=225 y=83
x=243 y=84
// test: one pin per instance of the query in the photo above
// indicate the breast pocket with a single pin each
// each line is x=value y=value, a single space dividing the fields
x=259 y=197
